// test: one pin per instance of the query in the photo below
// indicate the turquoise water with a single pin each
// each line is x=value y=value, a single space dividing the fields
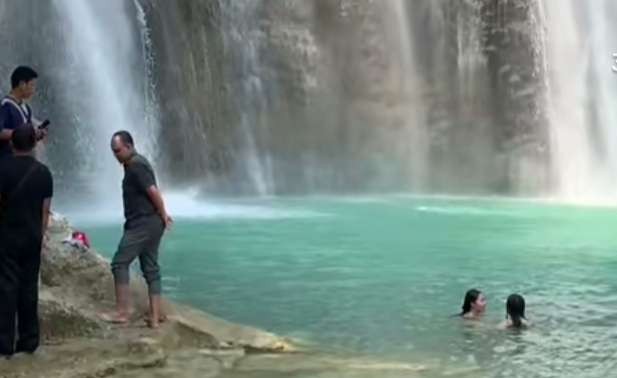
x=379 y=277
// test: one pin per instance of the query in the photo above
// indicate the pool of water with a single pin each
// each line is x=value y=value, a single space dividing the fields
x=380 y=277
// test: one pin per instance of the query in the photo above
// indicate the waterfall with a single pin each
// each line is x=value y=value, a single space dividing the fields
x=582 y=98
x=414 y=133
x=243 y=39
x=151 y=120
x=262 y=97
x=108 y=60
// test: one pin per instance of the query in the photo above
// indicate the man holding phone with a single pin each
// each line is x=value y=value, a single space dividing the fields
x=15 y=112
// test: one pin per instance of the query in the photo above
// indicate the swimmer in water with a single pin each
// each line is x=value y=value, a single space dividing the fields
x=474 y=305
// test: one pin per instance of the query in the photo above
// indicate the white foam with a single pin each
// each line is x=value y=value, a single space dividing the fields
x=187 y=205
x=463 y=210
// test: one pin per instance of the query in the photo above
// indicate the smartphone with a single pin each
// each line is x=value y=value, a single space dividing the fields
x=44 y=125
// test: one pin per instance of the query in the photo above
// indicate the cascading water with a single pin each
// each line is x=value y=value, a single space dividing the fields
x=298 y=128
x=151 y=120
x=109 y=57
x=453 y=68
x=389 y=110
x=582 y=98
x=305 y=97
x=242 y=37
x=413 y=135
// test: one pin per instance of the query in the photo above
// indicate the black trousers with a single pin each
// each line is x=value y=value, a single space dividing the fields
x=20 y=262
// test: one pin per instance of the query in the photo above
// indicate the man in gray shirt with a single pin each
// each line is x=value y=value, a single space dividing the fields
x=146 y=220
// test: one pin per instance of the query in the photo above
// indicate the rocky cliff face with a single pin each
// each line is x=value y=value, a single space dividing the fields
x=448 y=97
x=191 y=86
x=270 y=96
x=517 y=68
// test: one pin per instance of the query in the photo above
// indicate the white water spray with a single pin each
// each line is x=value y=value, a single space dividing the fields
x=582 y=98
x=106 y=54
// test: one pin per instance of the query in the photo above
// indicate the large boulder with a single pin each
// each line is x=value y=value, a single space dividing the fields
x=77 y=285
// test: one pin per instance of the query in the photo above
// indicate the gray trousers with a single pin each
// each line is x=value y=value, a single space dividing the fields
x=141 y=239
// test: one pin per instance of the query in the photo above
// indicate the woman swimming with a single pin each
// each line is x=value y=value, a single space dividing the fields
x=474 y=305
x=515 y=313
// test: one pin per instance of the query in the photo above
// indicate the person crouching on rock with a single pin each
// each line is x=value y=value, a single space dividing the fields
x=146 y=220
x=26 y=189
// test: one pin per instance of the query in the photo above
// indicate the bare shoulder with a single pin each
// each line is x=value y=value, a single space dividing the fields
x=507 y=324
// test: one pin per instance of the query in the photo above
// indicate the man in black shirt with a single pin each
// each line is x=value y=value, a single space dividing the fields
x=146 y=219
x=26 y=188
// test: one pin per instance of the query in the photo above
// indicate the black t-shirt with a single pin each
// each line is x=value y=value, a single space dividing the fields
x=138 y=177
x=24 y=184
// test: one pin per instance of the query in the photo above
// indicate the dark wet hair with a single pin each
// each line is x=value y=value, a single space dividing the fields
x=24 y=138
x=125 y=137
x=470 y=297
x=515 y=308
x=22 y=74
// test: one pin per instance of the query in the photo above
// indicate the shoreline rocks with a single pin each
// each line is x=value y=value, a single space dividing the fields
x=76 y=286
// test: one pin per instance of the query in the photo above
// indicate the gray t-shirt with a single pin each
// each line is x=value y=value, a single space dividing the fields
x=138 y=177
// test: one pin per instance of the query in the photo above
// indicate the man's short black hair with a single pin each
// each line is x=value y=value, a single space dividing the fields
x=124 y=136
x=22 y=74
x=24 y=138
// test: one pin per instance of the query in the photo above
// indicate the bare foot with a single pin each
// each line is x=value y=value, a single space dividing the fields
x=147 y=318
x=115 y=318
x=153 y=323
